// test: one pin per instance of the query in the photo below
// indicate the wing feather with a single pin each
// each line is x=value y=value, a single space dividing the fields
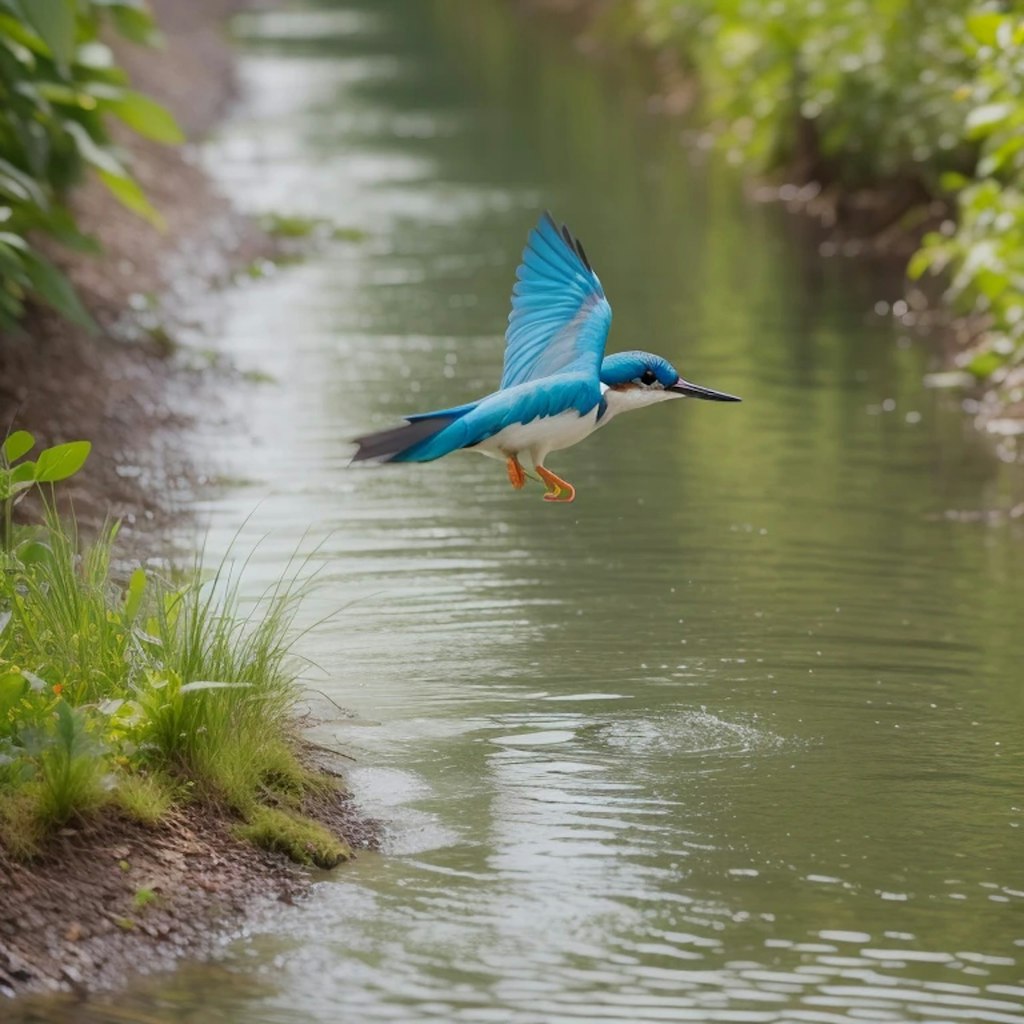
x=560 y=317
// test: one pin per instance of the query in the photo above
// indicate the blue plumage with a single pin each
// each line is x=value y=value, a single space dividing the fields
x=560 y=317
x=522 y=403
x=557 y=386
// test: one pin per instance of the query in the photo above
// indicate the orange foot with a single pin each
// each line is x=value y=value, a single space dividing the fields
x=516 y=473
x=556 y=485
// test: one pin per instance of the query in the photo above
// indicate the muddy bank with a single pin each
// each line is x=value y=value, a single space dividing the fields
x=111 y=897
x=129 y=389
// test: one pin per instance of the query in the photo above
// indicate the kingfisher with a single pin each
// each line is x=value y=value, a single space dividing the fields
x=557 y=385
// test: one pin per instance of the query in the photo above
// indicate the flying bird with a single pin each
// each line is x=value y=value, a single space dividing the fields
x=557 y=385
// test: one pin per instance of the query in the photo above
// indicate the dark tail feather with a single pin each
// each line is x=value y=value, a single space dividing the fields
x=386 y=444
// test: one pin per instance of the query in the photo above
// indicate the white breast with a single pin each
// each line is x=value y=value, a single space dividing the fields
x=540 y=436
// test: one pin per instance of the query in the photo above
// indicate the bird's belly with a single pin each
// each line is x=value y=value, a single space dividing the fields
x=540 y=436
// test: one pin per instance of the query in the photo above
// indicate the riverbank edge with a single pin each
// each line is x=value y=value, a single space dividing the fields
x=884 y=223
x=110 y=898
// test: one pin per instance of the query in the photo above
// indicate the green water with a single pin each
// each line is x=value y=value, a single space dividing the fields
x=736 y=736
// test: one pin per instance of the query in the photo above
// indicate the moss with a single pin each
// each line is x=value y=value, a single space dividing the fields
x=298 y=837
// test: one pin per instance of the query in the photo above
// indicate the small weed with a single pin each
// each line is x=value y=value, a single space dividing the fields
x=143 y=798
x=143 y=897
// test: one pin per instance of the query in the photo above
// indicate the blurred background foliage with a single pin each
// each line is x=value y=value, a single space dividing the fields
x=869 y=93
x=58 y=83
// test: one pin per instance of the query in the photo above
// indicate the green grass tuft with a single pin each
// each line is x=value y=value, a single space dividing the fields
x=140 y=692
x=143 y=798
x=300 y=838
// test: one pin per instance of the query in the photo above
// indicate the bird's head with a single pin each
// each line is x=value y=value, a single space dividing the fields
x=642 y=378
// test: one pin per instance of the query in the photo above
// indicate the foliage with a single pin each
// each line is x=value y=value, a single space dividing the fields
x=58 y=84
x=864 y=92
x=136 y=691
x=984 y=256
x=18 y=475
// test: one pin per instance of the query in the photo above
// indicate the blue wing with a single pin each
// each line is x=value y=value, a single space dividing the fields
x=560 y=317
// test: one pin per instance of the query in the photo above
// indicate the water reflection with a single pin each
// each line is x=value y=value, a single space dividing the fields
x=733 y=738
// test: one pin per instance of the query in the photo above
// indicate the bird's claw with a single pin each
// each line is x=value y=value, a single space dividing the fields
x=558 y=489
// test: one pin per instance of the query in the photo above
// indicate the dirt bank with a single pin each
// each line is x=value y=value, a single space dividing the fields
x=112 y=897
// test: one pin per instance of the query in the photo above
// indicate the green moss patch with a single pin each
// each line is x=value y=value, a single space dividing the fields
x=298 y=837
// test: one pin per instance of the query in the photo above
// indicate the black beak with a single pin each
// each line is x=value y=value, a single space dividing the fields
x=684 y=387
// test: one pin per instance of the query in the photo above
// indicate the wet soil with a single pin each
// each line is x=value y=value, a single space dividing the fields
x=110 y=897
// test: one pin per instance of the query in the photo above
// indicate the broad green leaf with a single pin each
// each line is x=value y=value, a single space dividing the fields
x=34 y=553
x=54 y=20
x=56 y=290
x=20 y=443
x=23 y=473
x=113 y=174
x=985 y=364
x=982 y=119
x=953 y=181
x=920 y=262
x=61 y=461
x=13 y=30
x=135 y=24
x=146 y=116
x=92 y=152
x=13 y=686
x=130 y=195
x=984 y=25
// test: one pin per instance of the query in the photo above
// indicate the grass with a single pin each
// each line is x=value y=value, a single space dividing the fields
x=298 y=837
x=139 y=692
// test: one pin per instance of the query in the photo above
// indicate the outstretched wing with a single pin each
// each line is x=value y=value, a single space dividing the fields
x=560 y=317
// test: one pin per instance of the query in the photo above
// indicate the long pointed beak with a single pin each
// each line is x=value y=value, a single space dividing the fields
x=684 y=387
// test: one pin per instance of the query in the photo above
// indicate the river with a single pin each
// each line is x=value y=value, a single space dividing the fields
x=736 y=736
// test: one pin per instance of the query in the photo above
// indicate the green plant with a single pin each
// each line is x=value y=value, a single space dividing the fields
x=143 y=897
x=137 y=690
x=58 y=84
x=18 y=474
x=983 y=257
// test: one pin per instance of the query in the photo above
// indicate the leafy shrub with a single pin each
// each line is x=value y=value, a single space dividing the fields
x=58 y=83
x=862 y=92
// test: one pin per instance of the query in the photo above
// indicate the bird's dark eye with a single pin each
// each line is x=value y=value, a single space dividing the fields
x=648 y=377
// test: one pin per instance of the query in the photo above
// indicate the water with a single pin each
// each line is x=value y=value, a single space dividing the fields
x=736 y=736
